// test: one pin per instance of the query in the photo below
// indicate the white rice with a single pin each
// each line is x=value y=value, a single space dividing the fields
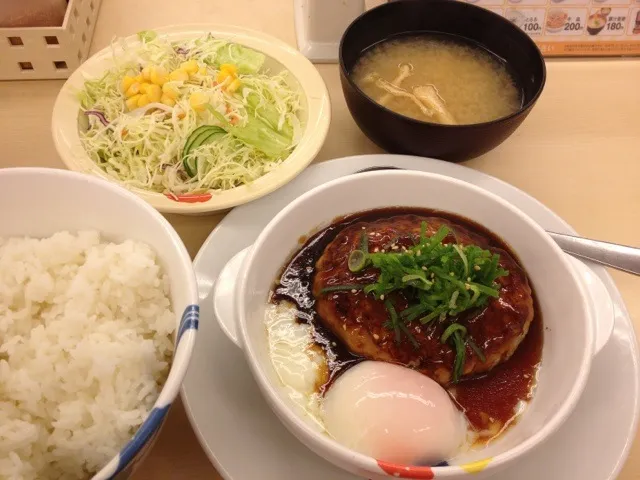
x=85 y=345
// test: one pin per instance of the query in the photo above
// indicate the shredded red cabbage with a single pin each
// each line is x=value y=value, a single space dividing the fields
x=99 y=115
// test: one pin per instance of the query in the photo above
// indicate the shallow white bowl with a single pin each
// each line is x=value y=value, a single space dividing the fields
x=315 y=114
x=570 y=333
x=38 y=202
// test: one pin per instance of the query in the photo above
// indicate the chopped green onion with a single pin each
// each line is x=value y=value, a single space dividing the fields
x=451 y=329
x=414 y=309
x=416 y=313
x=492 y=292
x=458 y=365
x=357 y=260
x=341 y=288
x=393 y=319
x=476 y=349
x=440 y=235
x=454 y=297
x=422 y=282
x=409 y=335
x=458 y=249
x=476 y=293
x=364 y=242
x=432 y=316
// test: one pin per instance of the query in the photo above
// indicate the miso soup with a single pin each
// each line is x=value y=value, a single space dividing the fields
x=438 y=78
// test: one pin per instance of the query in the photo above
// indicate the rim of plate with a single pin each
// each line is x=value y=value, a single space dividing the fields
x=64 y=122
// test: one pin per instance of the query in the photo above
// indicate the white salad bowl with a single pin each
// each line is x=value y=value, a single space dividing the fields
x=39 y=202
x=575 y=328
x=315 y=116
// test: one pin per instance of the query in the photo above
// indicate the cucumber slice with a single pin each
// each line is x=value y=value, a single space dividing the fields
x=212 y=134
x=191 y=166
x=193 y=136
x=203 y=137
x=210 y=138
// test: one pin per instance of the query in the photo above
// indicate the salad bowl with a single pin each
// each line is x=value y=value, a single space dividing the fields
x=69 y=119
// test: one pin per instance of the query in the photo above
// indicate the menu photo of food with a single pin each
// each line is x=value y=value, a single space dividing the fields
x=556 y=20
x=569 y=21
x=531 y=20
x=597 y=21
x=634 y=24
x=527 y=2
x=575 y=27
x=575 y=2
x=516 y=16
x=607 y=21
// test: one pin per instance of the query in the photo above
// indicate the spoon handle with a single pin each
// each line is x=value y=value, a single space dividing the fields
x=620 y=257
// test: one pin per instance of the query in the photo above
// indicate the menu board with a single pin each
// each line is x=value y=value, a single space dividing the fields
x=575 y=27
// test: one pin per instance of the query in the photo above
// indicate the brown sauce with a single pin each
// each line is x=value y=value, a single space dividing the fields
x=489 y=401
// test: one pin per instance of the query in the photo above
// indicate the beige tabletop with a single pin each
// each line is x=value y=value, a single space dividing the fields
x=578 y=153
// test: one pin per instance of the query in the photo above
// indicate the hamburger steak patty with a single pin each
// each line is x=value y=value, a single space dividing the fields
x=358 y=319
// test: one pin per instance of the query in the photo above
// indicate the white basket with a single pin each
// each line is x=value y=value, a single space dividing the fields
x=49 y=52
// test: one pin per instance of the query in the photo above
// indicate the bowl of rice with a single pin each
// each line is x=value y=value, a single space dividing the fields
x=98 y=319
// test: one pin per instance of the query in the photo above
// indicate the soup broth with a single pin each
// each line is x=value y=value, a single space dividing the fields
x=438 y=78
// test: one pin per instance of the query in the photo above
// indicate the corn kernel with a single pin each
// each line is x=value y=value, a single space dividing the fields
x=222 y=76
x=143 y=87
x=230 y=68
x=154 y=92
x=198 y=101
x=143 y=100
x=160 y=80
x=233 y=86
x=132 y=102
x=146 y=73
x=134 y=89
x=167 y=101
x=202 y=71
x=179 y=75
x=190 y=67
x=138 y=78
x=170 y=91
x=127 y=81
x=159 y=76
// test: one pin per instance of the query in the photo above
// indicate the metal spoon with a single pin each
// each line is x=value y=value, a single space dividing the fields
x=620 y=257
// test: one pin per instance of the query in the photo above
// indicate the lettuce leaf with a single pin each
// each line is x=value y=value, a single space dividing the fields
x=147 y=36
x=246 y=59
x=268 y=114
x=261 y=136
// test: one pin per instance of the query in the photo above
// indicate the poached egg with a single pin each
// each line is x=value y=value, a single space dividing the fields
x=394 y=414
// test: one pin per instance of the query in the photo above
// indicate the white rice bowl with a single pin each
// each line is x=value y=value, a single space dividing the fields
x=85 y=346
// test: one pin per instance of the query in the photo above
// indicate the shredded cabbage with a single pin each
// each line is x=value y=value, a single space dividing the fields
x=143 y=148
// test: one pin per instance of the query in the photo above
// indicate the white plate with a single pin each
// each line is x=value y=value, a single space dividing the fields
x=245 y=440
x=316 y=111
